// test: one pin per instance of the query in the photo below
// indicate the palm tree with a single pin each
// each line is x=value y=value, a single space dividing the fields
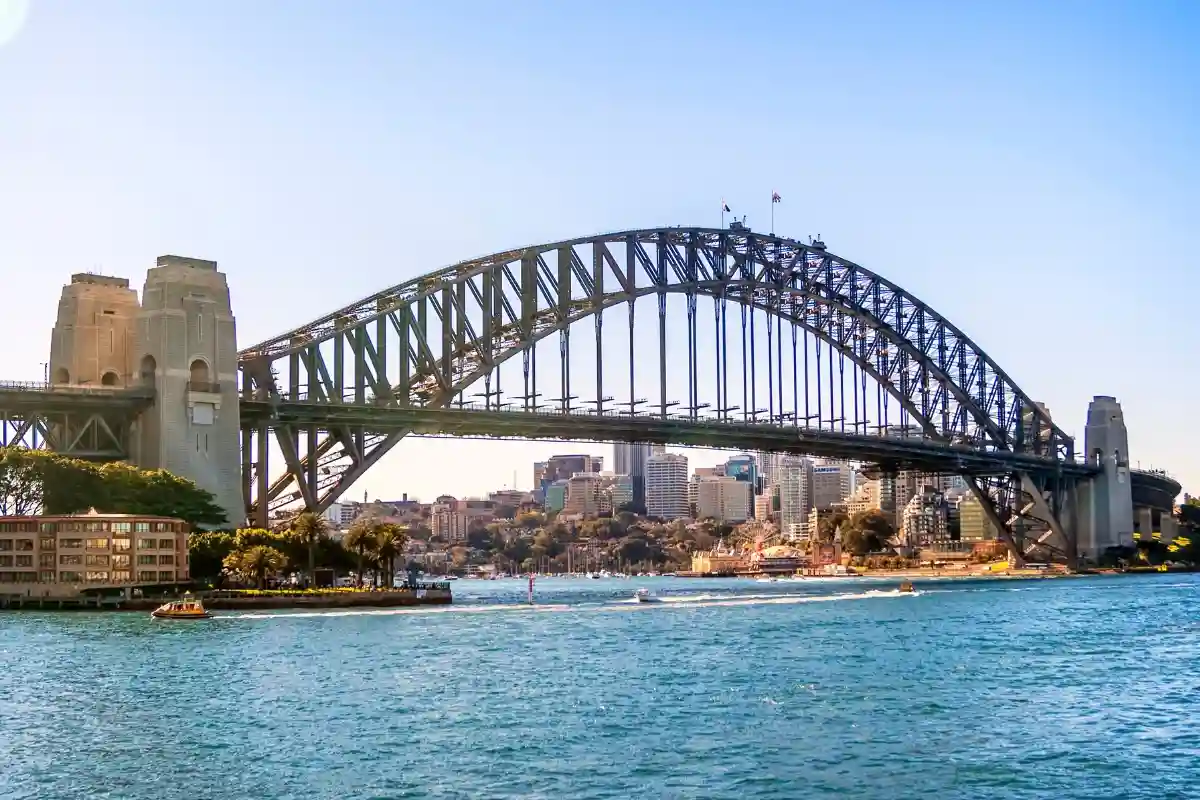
x=258 y=562
x=309 y=529
x=362 y=538
x=390 y=541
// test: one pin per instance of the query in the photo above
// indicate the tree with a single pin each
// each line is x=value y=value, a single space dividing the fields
x=874 y=526
x=480 y=538
x=34 y=480
x=309 y=529
x=207 y=552
x=633 y=549
x=22 y=483
x=258 y=562
x=390 y=541
x=362 y=539
x=530 y=520
x=127 y=489
x=854 y=541
x=829 y=523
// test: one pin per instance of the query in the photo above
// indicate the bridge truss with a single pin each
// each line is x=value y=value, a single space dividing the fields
x=82 y=422
x=693 y=336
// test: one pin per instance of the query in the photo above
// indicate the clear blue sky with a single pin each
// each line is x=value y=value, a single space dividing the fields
x=1029 y=169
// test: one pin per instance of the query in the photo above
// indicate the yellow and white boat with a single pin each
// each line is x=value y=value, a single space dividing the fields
x=187 y=608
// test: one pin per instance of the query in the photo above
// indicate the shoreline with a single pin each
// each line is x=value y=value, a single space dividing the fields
x=330 y=600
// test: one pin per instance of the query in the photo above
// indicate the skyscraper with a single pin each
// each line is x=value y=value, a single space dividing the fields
x=667 y=486
x=795 y=495
x=560 y=468
x=629 y=458
x=831 y=483
x=744 y=469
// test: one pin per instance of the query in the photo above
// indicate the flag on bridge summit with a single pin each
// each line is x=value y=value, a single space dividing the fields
x=725 y=207
x=775 y=198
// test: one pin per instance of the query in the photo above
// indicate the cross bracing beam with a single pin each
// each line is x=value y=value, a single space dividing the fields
x=844 y=329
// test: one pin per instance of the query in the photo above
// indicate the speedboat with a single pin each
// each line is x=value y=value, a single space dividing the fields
x=187 y=608
x=906 y=587
x=644 y=596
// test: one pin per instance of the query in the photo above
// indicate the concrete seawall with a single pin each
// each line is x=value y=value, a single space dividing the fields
x=221 y=602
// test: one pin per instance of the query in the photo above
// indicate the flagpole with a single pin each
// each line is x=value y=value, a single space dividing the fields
x=722 y=214
x=772 y=212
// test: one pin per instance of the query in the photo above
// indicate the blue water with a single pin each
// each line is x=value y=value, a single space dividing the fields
x=1080 y=688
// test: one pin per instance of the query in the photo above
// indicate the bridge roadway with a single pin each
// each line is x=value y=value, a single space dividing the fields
x=91 y=422
x=476 y=421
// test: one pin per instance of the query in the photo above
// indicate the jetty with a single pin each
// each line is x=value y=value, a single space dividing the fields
x=414 y=594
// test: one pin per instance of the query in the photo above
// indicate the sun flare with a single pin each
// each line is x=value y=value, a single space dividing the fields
x=12 y=18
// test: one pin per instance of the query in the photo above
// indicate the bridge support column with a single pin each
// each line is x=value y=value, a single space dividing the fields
x=1105 y=502
x=187 y=346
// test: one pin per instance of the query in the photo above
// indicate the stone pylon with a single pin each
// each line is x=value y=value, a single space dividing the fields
x=187 y=348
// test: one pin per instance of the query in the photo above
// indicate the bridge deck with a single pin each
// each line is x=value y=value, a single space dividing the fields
x=900 y=453
x=51 y=398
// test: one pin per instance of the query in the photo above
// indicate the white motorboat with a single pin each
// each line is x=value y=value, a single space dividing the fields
x=644 y=596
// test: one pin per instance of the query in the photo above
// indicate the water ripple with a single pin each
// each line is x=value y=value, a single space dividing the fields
x=1065 y=689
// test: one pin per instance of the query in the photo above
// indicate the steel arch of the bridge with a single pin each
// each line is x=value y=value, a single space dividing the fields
x=423 y=342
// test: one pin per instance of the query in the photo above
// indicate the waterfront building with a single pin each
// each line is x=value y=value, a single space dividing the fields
x=795 y=496
x=452 y=519
x=717 y=562
x=629 y=458
x=723 y=498
x=667 y=486
x=973 y=523
x=924 y=519
x=58 y=556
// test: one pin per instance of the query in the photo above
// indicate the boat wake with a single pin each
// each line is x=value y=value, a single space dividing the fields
x=677 y=601
x=393 y=612
x=716 y=601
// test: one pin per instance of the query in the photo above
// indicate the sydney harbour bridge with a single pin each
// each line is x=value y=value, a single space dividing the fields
x=720 y=338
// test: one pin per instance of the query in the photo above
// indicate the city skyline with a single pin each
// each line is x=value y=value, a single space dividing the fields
x=384 y=176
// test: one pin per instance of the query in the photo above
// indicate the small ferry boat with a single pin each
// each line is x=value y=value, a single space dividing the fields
x=644 y=596
x=906 y=586
x=187 y=608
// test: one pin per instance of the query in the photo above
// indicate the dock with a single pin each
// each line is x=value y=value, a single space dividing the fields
x=420 y=594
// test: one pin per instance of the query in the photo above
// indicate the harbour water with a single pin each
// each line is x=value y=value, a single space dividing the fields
x=1074 y=688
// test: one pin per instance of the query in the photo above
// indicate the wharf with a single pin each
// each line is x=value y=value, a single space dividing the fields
x=419 y=595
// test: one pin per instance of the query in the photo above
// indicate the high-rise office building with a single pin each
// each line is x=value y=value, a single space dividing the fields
x=831 y=483
x=629 y=458
x=560 y=468
x=768 y=469
x=667 y=486
x=795 y=495
x=722 y=498
x=694 y=483
x=586 y=496
x=744 y=469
